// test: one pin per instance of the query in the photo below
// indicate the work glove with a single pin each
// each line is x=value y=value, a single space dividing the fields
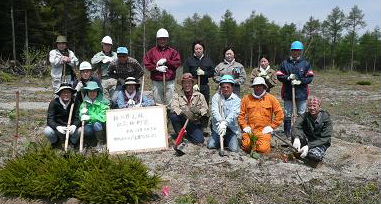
x=188 y=114
x=247 y=130
x=222 y=127
x=162 y=68
x=131 y=103
x=296 y=143
x=196 y=88
x=106 y=59
x=79 y=86
x=195 y=110
x=72 y=129
x=84 y=110
x=303 y=151
x=296 y=82
x=85 y=118
x=199 y=71
x=267 y=130
x=291 y=77
x=61 y=129
x=267 y=77
x=161 y=62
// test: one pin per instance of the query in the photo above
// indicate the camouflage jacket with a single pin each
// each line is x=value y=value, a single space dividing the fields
x=197 y=105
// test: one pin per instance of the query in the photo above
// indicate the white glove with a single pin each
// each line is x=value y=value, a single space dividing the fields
x=222 y=127
x=107 y=59
x=72 y=129
x=162 y=68
x=131 y=102
x=84 y=110
x=267 y=130
x=200 y=71
x=247 y=130
x=292 y=77
x=161 y=62
x=296 y=82
x=296 y=143
x=304 y=151
x=267 y=77
x=196 y=88
x=61 y=129
x=85 y=118
x=79 y=86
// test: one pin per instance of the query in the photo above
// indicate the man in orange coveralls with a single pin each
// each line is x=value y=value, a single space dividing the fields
x=260 y=114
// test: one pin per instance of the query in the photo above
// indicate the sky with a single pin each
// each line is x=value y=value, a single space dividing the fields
x=279 y=11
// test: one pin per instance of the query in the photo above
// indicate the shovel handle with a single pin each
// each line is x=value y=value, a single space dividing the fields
x=164 y=89
x=286 y=142
x=68 y=125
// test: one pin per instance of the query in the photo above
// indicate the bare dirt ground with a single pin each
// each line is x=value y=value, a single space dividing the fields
x=350 y=172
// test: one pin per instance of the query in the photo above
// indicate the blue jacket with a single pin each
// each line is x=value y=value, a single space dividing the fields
x=302 y=69
x=231 y=108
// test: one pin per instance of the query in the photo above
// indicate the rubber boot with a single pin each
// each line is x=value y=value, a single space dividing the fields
x=287 y=127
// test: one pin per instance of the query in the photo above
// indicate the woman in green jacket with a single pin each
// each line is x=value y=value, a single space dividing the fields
x=93 y=112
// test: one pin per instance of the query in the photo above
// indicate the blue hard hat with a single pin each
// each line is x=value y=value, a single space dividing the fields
x=122 y=50
x=227 y=79
x=297 y=45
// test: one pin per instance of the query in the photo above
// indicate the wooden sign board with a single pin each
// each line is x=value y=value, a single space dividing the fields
x=137 y=129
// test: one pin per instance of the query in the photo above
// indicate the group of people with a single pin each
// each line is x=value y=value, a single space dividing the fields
x=112 y=80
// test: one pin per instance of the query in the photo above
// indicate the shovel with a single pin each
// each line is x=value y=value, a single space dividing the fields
x=222 y=152
x=286 y=142
x=165 y=89
x=179 y=139
x=68 y=125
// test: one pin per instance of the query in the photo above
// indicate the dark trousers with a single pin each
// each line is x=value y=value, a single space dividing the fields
x=194 y=130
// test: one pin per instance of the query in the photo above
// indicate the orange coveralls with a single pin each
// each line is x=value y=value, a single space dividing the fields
x=259 y=113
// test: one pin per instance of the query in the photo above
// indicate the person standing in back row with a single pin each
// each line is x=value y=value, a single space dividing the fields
x=63 y=62
x=230 y=67
x=200 y=66
x=295 y=72
x=162 y=61
x=266 y=72
x=101 y=62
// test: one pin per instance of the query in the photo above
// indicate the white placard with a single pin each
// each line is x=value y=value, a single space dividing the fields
x=137 y=129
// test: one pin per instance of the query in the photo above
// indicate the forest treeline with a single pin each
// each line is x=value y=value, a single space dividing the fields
x=334 y=42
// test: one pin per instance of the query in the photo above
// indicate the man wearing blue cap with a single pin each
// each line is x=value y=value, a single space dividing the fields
x=226 y=107
x=295 y=73
x=124 y=67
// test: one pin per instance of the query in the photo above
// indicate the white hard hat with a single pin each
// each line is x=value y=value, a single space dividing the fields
x=162 y=33
x=107 y=40
x=84 y=65
x=259 y=80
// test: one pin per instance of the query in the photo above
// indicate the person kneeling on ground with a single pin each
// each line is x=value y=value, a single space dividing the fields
x=312 y=131
x=93 y=111
x=86 y=73
x=188 y=105
x=130 y=97
x=260 y=114
x=58 y=116
x=225 y=110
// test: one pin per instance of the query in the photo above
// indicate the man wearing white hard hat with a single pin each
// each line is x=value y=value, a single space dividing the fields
x=162 y=61
x=86 y=72
x=260 y=114
x=101 y=62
